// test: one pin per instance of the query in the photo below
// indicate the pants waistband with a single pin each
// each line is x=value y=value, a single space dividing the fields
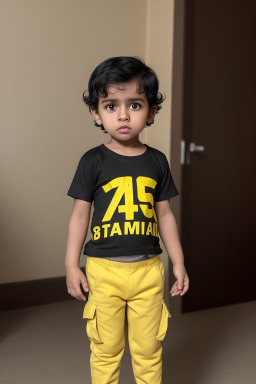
x=118 y=264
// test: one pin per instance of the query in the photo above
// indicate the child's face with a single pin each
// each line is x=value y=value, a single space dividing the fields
x=124 y=112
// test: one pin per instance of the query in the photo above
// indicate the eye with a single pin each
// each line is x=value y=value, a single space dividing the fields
x=135 y=106
x=111 y=107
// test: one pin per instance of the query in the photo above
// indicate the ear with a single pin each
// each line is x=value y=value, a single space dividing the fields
x=151 y=114
x=96 y=116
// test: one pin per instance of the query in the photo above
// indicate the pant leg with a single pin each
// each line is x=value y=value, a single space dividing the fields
x=147 y=323
x=113 y=285
x=105 y=313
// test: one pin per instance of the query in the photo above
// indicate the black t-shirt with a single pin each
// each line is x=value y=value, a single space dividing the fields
x=123 y=190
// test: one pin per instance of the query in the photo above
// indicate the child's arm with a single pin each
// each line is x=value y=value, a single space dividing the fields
x=77 y=231
x=169 y=234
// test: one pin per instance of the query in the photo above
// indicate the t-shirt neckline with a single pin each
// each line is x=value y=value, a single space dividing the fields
x=124 y=157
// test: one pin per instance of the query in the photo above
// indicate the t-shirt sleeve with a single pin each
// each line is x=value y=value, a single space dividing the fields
x=82 y=186
x=165 y=188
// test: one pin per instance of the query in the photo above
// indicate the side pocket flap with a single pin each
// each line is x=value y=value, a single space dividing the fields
x=89 y=310
x=166 y=309
x=163 y=325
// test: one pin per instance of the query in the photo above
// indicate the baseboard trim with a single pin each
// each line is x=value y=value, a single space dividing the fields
x=33 y=292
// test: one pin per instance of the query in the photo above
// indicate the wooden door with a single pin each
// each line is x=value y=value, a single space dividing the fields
x=218 y=194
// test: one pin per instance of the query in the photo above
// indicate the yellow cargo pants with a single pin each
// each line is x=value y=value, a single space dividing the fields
x=117 y=289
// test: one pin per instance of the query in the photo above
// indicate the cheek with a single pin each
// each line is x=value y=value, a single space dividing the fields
x=146 y=116
x=107 y=117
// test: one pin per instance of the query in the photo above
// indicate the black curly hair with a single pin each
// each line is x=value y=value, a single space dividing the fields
x=119 y=70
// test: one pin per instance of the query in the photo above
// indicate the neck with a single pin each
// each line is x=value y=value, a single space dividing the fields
x=135 y=143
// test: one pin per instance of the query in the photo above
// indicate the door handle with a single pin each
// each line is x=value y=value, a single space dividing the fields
x=195 y=148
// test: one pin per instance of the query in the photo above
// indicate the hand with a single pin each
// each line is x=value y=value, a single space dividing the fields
x=181 y=285
x=75 y=277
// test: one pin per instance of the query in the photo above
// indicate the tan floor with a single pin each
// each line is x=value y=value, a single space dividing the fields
x=48 y=345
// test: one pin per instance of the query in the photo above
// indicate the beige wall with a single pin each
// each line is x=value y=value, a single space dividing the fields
x=48 y=50
x=159 y=57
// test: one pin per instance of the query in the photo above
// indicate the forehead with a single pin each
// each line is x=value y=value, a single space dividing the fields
x=125 y=90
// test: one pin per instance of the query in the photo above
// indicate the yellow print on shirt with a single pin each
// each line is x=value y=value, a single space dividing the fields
x=137 y=227
x=124 y=187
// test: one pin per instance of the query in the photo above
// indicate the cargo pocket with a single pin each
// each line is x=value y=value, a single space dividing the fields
x=163 y=325
x=90 y=313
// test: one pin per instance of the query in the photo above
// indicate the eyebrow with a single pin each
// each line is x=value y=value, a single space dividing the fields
x=116 y=100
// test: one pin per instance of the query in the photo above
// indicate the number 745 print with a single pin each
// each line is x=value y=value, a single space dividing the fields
x=124 y=187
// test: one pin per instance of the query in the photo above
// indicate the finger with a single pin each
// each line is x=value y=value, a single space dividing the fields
x=85 y=286
x=185 y=289
x=175 y=291
x=186 y=286
x=75 y=294
x=79 y=294
x=175 y=286
x=180 y=281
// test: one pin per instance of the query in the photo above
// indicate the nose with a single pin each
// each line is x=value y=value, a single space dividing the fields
x=123 y=114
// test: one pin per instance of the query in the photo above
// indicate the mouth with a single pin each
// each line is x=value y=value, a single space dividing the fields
x=124 y=129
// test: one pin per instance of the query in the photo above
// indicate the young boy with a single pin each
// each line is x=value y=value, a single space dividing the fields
x=130 y=184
